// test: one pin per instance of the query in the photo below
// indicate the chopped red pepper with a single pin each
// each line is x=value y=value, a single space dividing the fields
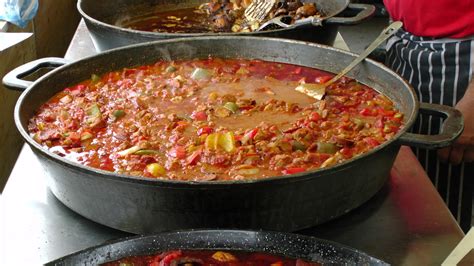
x=238 y=137
x=323 y=157
x=366 y=112
x=346 y=152
x=125 y=82
x=128 y=72
x=76 y=89
x=372 y=142
x=178 y=152
x=293 y=170
x=170 y=257
x=205 y=130
x=395 y=119
x=384 y=112
x=200 y=116
x=74 y=136
x=322 y=79
x=379 y=123
x=194 y=157
x=315 y=116
x=249 y=135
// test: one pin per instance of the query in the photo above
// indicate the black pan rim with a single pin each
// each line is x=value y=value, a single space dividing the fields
x=213 y=233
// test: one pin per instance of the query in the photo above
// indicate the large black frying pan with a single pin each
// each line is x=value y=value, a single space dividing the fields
x=284 y=244
x=282 y=203
x=104 y=19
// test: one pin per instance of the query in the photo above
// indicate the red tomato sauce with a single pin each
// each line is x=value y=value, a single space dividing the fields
x=213 y=119
x=206 y=257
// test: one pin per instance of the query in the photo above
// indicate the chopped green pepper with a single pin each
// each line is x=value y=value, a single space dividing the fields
x=200 y=73
x=233 y=107
x=128 y=151
x=296 y=145
x=118 y=113
x=242 y=71
x=95 y=78
x=126 y=264
x=94 y=110
x=398 y=115
x=146 y=152
x=171 y=69
x=86 y=136
x=326 y=147
x=359 y=123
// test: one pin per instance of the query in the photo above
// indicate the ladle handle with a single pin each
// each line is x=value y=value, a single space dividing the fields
x=387 y=32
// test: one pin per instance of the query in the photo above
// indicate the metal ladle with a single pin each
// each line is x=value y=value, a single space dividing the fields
x=318 y=91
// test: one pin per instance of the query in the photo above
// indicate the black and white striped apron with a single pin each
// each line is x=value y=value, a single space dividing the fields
x=439 y=70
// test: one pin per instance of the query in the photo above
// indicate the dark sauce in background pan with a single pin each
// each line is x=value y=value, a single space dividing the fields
x=186 y=20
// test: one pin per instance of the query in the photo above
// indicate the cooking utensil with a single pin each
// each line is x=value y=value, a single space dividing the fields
x=284 y=203
x=283 y=244
x=281 y=21
x=258 y=10
x=284 y=21
x=318 y=91
x=104 y=19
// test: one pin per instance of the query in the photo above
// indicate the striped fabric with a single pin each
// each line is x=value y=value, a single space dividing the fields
x=440 y=71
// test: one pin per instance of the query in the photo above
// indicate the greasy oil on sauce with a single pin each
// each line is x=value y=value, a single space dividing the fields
x=186 y=20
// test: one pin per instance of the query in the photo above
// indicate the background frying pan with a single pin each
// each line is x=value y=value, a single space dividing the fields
x=285 y=244
x=104 y=19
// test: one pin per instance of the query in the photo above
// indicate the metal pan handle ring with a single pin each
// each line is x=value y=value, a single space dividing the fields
x=452 y=127
x=13 y=79
x=365 y=11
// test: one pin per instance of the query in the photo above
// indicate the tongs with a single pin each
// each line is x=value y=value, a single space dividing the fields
x=318 y=91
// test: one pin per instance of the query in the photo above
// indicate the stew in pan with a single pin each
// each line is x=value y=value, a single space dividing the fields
x=206 y=257
x=217 y=16
x=213 y=119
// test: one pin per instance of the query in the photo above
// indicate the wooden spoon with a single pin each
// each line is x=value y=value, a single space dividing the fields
x=318 y=91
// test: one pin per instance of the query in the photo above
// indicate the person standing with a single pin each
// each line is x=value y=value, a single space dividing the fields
x=434 y=52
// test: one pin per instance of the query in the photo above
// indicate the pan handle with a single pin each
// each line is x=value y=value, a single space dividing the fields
x=365 y=11
x=452 y=127
x=13 y=79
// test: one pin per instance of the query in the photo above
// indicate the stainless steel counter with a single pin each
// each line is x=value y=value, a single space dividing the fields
x=406 y=223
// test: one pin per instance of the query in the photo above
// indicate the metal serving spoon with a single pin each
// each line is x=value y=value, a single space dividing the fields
x=318 y=91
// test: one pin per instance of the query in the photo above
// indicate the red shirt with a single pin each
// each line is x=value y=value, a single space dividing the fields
x=434 y=18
